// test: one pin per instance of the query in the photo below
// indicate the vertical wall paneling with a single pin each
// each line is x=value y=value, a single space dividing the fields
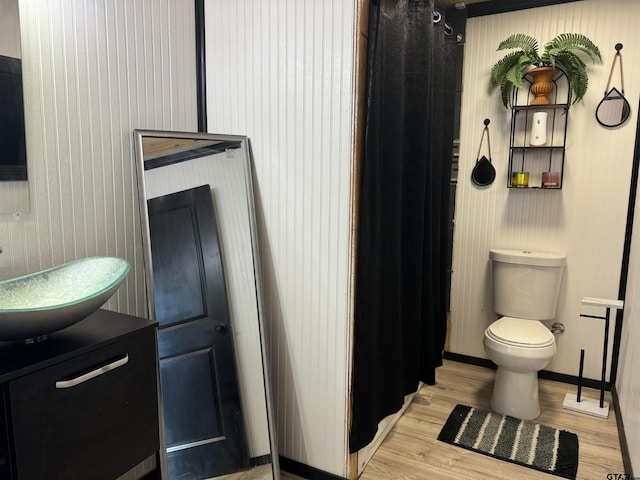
x=585 y=220
x=14 y=198
x=281 y=73
x=93 y=71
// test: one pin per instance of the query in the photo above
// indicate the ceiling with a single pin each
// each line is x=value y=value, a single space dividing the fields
x=451 y=3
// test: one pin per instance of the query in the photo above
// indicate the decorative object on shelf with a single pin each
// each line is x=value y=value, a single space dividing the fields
x=539 y=129
x=520 y=179
x=614 y=109
x=558 y=54
x=550 y=179
x=542 y=84
x=484 y=173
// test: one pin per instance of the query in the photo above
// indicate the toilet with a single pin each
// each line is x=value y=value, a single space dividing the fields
x=525 y=292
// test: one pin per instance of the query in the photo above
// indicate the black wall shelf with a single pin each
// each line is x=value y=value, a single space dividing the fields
x=536 y=155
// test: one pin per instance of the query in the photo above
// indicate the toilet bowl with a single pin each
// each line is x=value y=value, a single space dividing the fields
x=526 y=286
x=520 y=348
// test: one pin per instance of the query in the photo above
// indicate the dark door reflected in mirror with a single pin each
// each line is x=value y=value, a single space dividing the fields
x=203 y=287
x=14 y=194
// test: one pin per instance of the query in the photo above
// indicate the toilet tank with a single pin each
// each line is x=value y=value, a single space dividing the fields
x=526 y=284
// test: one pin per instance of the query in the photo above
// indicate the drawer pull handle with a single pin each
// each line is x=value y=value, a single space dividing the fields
x=92 y=374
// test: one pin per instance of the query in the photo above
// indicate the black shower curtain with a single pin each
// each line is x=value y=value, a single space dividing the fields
x=400 y=304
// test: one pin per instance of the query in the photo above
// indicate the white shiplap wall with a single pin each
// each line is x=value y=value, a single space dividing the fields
x=93 y=71
x=585 y=220
x=281 y=72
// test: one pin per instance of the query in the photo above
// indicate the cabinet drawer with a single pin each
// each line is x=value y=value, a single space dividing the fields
x=94 y=416
x=5 y=468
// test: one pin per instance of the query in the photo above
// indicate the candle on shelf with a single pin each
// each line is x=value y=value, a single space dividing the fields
x=520 y=179
x=550 y=179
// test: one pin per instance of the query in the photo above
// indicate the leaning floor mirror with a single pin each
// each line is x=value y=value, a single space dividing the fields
x=204 y=290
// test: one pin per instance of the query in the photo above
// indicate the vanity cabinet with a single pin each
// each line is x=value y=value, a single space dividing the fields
x=538 y=138
x=82 y=404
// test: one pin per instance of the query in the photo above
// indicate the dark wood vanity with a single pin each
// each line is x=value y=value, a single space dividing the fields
x=82 y=404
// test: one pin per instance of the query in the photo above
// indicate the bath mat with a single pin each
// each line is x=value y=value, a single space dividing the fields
x=507 y=438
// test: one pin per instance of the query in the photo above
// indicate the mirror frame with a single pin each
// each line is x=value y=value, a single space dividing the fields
x=626 y=108
x=14 y=185
x=138 y=136
x=12 y=72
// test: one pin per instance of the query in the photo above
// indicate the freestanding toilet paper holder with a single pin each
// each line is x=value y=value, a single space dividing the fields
x=588 y=405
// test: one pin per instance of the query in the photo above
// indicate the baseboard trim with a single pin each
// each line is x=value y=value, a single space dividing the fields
x=306 y=471
x=261 y=460
x=477 y=361
x=622 y=436
x=557 y=377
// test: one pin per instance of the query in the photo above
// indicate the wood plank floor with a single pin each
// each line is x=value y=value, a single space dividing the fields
x=412 y=452
x=263 y=472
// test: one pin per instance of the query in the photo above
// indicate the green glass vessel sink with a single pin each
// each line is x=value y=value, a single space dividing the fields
x=35 y=305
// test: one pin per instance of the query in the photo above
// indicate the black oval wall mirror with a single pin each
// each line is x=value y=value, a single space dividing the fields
x=613 y=110
x=483 y=173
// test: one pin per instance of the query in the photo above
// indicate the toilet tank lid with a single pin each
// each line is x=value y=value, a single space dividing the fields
x=526 y=257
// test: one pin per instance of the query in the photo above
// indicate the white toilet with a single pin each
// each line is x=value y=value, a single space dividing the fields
x=525 y=291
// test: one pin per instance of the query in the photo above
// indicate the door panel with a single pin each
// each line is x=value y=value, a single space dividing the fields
x=203 y=419
x=192 y=372
x=179 y=292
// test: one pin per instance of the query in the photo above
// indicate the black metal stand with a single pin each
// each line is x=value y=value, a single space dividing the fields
x=580 y=375
x=588 y=405
x=604 y=354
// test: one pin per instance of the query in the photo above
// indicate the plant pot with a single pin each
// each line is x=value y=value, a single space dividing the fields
x=542 y=84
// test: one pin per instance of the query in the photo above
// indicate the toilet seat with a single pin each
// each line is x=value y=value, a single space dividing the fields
x=520 y=333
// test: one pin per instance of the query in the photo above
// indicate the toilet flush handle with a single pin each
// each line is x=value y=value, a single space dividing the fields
x=557 y=328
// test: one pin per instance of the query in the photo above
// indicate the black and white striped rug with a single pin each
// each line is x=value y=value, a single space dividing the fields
x=507 y=438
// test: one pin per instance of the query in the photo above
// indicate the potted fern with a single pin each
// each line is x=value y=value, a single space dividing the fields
x=558 y=53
